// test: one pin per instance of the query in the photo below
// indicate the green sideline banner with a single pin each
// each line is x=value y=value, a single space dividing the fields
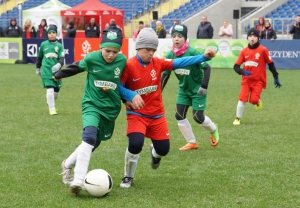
x=227 y=50
x=10 y=50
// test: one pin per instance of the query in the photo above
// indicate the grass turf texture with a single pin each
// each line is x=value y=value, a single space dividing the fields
x=254 y=165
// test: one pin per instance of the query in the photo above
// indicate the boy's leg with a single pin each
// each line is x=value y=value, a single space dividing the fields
x=56 y=92
x=185 y=127
x=158 y=149
x=243 y=98
x=135 y=145
x=50 y=100
x=255 y=96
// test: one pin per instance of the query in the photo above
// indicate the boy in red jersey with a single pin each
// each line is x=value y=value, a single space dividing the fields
x=255 y=57
x=142 y=75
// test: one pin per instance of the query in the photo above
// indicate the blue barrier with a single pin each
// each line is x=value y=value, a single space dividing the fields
x=285 y=53
x=31 y=46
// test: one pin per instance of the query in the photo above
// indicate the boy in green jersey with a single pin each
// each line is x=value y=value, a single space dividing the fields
x=101 y=103
x=51 y=59
x=193 y=83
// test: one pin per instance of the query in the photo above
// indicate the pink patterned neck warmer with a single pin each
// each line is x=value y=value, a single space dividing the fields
x=182 y=50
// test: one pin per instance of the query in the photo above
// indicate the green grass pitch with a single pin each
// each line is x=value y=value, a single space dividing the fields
x=254 y=165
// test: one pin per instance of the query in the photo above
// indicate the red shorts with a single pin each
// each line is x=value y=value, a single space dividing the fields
x=250 y=92
x=153 y=128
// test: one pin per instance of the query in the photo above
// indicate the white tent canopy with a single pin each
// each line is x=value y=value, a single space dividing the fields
x=49 y=11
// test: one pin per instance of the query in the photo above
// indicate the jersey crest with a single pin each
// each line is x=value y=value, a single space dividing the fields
x=153 y=74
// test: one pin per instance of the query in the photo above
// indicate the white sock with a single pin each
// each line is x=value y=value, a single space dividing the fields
x=71 y=160
x=82 y=160
x=186 y=130
x=50 y=98
x=155 y=154
x=55 y=95
x=208 y=124
x=240 y=109
x=131 y=161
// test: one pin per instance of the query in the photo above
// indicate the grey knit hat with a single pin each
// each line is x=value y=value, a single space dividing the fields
x=147 y=38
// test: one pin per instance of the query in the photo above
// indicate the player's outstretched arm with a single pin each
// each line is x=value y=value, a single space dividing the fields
x=191 y=60
x=69 y=71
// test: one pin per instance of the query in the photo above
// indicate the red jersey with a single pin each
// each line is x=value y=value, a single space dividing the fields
x=145 y=80
x=255 y=60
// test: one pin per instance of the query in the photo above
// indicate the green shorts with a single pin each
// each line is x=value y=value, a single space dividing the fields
x=105 y=127
x=198 y=102
x=51 y=83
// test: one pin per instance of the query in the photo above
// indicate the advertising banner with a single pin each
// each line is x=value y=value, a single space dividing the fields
x=285 y=53
x=10 y=50
x=84 y=46
x=31 y=49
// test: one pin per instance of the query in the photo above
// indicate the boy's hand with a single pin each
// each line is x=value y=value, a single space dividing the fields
x=56 y=67
x=137 y=102
x=209 y=53
x=53 y=77
x=246 y=73
x=202 y=91
x=277 y=83
x=38 y=71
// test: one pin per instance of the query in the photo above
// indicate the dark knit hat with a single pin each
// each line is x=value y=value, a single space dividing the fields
x=147 y=38
x=253 y=31
x=52 y=28
x=71 y=23
x=180 y=29
x=112 y=37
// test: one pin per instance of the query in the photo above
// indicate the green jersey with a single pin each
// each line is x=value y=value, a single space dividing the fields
x=50 y=53
x=190 y=78
x=101 y=93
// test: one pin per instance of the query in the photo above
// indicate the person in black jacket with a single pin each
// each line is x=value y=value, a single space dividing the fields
x=2 y=33
x=160 y=30
x=112 y=26
x=295 y=30
x=71 y=31
x=13 y=31
x=92 y=30
x=42 y=29
x=268 y=33
x=28 y=30
x=205 y=29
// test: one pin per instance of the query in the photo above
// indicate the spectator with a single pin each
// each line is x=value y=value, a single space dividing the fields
x=226 y=31
x=175 y=22
x=113 y=26
x=92 y=30
x=160 y=30
x=28 y=30
x=13 y=30
x=42 y=29
x=260 y=26
x=2 y=33
x=137 y=31
x=295 y=30
x=71 y=31
x=269 y=32
x=205 y=29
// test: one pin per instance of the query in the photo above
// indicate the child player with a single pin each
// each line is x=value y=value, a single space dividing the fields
x=142 y=75
x=101 y=103
x=51 y=59
x=193 y=83
x=255 y=57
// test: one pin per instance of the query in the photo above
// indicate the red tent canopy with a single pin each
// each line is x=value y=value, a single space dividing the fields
x=94 y=8
x=91 y=8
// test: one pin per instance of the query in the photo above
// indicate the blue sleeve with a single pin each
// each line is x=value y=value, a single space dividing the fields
x=125 y=93
x=188 y=61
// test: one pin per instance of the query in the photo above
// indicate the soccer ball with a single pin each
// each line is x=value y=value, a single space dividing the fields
x=98 y=182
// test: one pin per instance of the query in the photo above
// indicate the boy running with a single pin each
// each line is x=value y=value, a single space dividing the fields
x=101 y=103
x=193 y=83
x=51 y=59
x=255 y=57
x=142 y=75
